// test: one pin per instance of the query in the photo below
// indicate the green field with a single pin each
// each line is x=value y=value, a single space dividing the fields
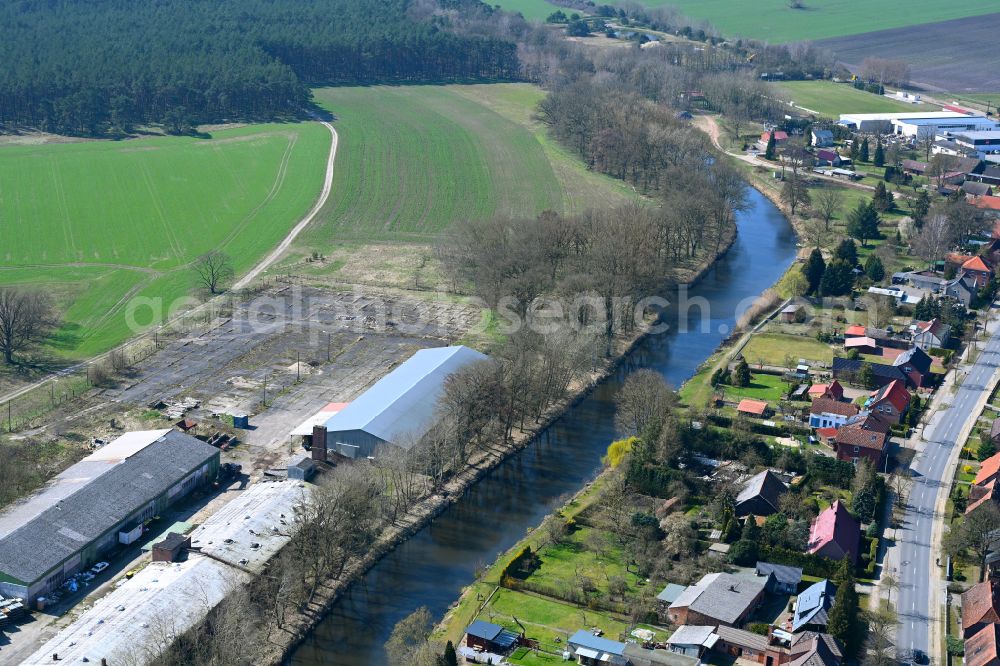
x=97 y=223
x=830 y=99
x=413 y=160
x=775 y=22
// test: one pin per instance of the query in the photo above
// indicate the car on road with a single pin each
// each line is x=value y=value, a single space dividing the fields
x=99 y=567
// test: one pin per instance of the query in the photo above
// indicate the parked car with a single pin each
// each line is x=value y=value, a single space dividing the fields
x=99 y=567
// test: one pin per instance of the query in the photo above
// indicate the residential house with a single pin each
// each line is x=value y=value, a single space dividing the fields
x=990 y=468
x=980 y=495
x=980 y=607
x=779 y=647
x=981 y=649
x=971 y=188
x=855 y=331
x=914 y=167
x=750 y=407
x=780 y=137
x=980 y=272
x=864 y=436
x=490 y=637
x=830 y=413
x=692 y=640
x=743 y=644
x=929 y=334
x=989 y=204
x=890 y=402
x=815 y=649
x=827 y=157
x=792 y=314
x=822 y=138
x=832 y=390
x=847 y=369
x=781 y=578
x=962 y=289
x=812 y=607
x=667 y=596
x=915 y=365
x=592 y=650
x=990 y=174
x=861 y=344
x=835 y=534
x=760 y=494
x=717 y=599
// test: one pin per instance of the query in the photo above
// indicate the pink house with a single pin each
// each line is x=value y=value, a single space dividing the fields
x=835 y=534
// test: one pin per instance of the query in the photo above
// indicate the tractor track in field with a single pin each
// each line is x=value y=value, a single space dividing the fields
x=324 y=195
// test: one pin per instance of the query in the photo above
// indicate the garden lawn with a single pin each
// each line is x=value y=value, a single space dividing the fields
x=831 y=99
x=770 y=388
x=589 y=552
x=775 y=21
x=97 y=223
x=775 y=348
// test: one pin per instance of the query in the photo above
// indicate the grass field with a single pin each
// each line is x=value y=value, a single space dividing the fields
x=769 y=388
x=831 y=99
x=775 y=348
x=414 y=160
x=95 y=223
x=775 y=21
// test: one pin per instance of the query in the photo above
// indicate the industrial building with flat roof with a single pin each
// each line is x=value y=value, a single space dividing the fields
x=401 y=407
x=916 y=124
x=96 y=504
x=133 y=623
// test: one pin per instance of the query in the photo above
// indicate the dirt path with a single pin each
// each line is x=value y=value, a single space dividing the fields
x=710 y=126
x=303 y=223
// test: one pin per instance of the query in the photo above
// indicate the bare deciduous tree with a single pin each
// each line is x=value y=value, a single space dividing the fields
x=25 y=318
x=214 y=269
x=829 y=201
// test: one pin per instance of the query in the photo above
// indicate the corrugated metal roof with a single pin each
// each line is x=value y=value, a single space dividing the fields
x=404 y=401
x=585 y=639
x=62 y=530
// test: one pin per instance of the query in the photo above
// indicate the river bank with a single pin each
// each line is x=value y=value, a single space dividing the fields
x=298 y=626
x=431 y=568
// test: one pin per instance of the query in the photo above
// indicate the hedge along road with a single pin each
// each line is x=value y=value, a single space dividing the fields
x=304 y=222
x=432 y=567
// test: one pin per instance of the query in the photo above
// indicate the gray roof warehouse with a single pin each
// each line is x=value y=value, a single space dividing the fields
x=95 y=505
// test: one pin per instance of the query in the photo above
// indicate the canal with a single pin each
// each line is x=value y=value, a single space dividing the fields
x=431 y=568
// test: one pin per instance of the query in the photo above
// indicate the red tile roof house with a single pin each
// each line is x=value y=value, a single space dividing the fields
x=864 y=436
x=752 y=407
x=983 y=648
x=830 y=413
x=855 y=331
x=835 y=534
x=832 y=390
x=979 y=270
x=889 y=402
x=988 y=470
x=779 y=137
x=980 y=607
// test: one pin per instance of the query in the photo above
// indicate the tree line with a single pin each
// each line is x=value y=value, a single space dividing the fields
x=109 y=65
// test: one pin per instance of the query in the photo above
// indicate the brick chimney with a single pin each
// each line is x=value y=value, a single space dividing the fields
x=319 y=443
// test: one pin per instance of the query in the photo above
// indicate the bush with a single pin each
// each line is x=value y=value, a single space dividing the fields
x=956 y=646
x=759 y=628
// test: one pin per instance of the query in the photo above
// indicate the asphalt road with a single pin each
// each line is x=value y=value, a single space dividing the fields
x=918 y=573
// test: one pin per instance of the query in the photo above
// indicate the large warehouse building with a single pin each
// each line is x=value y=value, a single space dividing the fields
x=95 y=505
x=400 y=407
x=916 y=124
